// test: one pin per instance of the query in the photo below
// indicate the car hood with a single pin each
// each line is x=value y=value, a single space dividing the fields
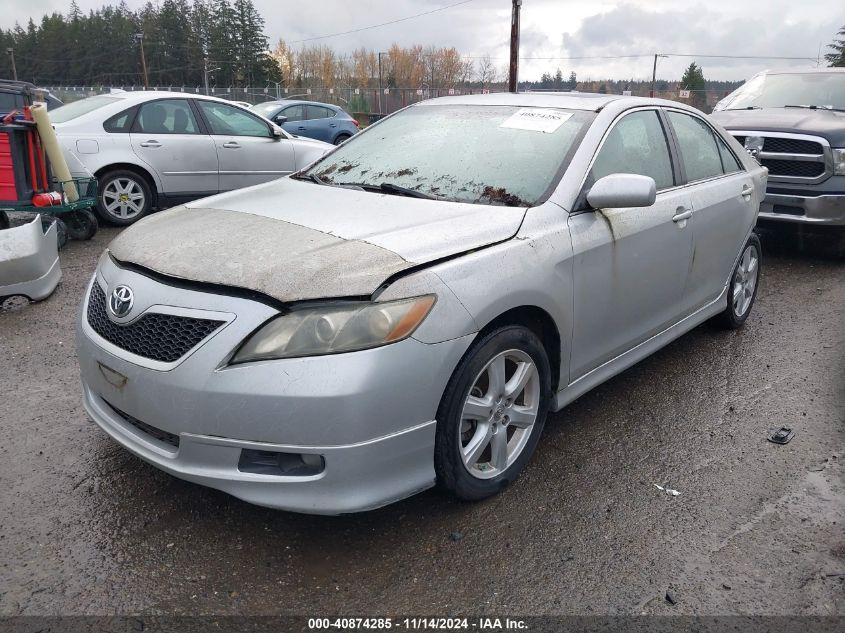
x=294 y=240
x=825 y=123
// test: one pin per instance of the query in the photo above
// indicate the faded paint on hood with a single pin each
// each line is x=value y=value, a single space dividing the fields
x=294 y=240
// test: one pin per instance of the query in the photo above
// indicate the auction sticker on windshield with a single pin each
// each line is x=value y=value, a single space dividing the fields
x=536 y=120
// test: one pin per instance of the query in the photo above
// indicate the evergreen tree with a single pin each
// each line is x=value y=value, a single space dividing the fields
x=693 y=80
x=572 y=84
x=837 y=57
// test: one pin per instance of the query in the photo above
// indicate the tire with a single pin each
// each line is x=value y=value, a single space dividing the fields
x=81 y=224
x=341 y=138
x=4 y=221
x=113 y=208
x=742 y=290
x=464 y=458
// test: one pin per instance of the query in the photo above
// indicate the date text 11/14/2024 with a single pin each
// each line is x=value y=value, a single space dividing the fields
x=417 y=624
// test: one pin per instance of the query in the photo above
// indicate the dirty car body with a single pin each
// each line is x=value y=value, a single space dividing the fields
x=304 y=343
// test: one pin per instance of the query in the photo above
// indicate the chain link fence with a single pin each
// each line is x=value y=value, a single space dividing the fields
x=360 y=102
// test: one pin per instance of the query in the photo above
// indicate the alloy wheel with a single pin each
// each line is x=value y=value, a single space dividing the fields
x=745 y=280
x=123 y=198
x=499 y=413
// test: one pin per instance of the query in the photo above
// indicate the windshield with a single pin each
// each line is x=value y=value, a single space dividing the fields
x=504 y=155
x=78 y=108
x=266 y=109
x=823 y=90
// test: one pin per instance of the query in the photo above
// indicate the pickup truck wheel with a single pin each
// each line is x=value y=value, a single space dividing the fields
x=492 y=413
x=124 y=198
x=742 y=288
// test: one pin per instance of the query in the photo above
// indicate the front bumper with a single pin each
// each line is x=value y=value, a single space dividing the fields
x=356 y=477
x=369 y=414
x=828 y=210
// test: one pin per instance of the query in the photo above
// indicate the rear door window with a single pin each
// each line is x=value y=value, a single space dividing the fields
x=318 y=112
x=697 y=145
x=166 y=116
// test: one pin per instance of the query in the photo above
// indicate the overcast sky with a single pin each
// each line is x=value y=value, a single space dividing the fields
x=557 y=28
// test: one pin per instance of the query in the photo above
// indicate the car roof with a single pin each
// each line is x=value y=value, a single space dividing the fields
x=138 y=96
x=801 y=71
x=588 y=101
x=286 y=102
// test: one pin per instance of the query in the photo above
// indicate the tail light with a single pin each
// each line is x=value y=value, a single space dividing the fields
x=355 y=121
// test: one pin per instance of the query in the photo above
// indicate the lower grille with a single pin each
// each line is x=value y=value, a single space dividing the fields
x=161 y=337
x=157 y=434
x=799 y=169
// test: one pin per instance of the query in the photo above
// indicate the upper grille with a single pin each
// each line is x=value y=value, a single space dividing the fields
x=791 y=146
x=161 y=337
x=799 y=169
x=781 y=154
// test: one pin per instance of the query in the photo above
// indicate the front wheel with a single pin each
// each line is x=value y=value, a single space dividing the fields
x=742 y=289
x=492 y=413
x=125 y=197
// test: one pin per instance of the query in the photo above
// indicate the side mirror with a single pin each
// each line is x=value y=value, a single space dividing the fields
x=280 y=119
x=277 y=133
x=622 y=190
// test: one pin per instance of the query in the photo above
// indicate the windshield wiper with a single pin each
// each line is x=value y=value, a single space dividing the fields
x=746 y=108
x=310 y=177
x=387 y=187
x=815 y=107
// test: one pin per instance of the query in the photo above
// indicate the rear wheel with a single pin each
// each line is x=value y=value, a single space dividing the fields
x=124 y=198
x=492 y=413
x=341 y=138
x=742 y=290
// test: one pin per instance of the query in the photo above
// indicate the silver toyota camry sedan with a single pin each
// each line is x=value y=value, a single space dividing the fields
x=407 y=310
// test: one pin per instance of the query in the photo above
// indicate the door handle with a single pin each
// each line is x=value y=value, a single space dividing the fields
x=151 y=143
x=231 y=145
x=746 y=192
x=332 y=124
x=682 y=214
x=301 y=127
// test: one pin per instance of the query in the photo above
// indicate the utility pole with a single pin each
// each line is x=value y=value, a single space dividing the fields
x=205 y=73
x=654 y=74
x=11 y=52
x=139 y=37
x=379 y=83
x=514 y=67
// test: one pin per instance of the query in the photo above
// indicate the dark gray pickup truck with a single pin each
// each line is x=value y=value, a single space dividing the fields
x=793 y=122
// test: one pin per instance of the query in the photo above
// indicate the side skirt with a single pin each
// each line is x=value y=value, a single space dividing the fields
x=634 y=355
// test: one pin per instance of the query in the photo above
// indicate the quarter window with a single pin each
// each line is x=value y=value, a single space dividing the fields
x=120 y=122
x=166 y=116
x=636 y=145
x=227 y=120
x=698 y=146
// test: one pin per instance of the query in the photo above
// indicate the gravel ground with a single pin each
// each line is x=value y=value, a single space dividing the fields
x=86 y=528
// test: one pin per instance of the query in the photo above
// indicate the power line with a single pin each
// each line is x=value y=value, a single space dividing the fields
x=375 y=26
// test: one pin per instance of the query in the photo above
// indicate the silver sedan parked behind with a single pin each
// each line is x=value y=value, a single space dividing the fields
x=156 y=149
x=407 y=311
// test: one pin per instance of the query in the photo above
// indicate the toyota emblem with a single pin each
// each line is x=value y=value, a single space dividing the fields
x=121 y=300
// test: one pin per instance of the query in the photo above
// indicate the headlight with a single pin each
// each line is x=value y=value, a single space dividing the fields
x=839 y=162
x=334 y=329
